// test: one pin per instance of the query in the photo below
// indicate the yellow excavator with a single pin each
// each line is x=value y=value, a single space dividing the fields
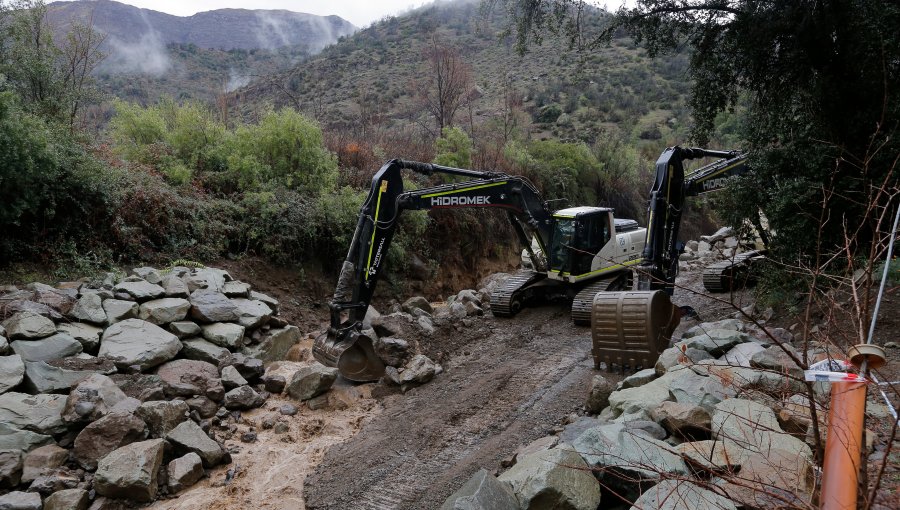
x=581 y=253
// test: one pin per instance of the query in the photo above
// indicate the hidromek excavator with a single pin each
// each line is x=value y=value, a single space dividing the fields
x=582 y=253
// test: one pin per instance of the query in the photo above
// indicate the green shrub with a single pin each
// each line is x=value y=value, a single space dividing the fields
x=453 y=148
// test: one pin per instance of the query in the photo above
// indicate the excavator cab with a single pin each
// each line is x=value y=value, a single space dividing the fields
x=578 y=236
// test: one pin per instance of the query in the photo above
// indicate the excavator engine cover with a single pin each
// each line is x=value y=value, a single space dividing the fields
x=351 y=352
x=631 y=328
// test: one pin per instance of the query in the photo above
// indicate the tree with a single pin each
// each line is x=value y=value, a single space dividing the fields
x=448 y=84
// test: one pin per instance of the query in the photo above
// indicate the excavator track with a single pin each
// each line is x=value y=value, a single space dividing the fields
x=508 y=299
x=583 y=303
x=729 y=274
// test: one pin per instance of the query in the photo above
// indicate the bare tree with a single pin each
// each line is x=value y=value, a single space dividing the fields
x=449 y=83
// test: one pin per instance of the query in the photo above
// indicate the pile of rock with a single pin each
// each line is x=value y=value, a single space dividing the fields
x=723 y=413
x=115 y=388
x=722 y=245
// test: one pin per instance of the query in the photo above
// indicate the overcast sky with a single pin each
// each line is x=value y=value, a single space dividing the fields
x=359 y=12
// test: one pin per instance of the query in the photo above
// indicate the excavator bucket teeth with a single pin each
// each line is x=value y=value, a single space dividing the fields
x=353 y=354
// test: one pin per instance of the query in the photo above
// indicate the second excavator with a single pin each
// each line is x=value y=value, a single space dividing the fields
x=580 y=253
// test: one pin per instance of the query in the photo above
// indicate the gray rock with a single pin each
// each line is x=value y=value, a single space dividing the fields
x=231 y=378
x=681 y=495
x=249 y=367
x=185 y=329
x=184 y=472
x=208 y=278
x=243 y=397
x=42 y=461
x=89 y=308
x=189 y=437
x=10 y=306
x=174 y=286
x=643 y=398
x=236 y=289
x=151 y=275
x=627 y=460
x=68 y=499
x=311 y=381
x=165 y=310
x=10 y=468
x=275 y=345
x=140 y=290
x=668 y=359
x=598 y=398
x=4 y=345
x=86 y=334
x=689 y=388
x=754 y=428
x=201 y=350
x=472 y=309
x=268 y=300
x=161 y=416
x=392 y=351
x=417 y=303
x=457 y=310
x=716 y=341
x=740 y=355
x=185 y=378
x=18 y=500
x=711 y=457
x=91 y=399
x=703 y=328
x=254 y=313
x=130 y=471
x=556 y=478
x=482 y=492
x=224 y=334
x=103 y=436
x=419 y=370
x=44 y=377
x=639 y=378
x=371 y=315
x=29 y=326
x=645 y=427
x=118 y=310
x=137 y=342
x=204 y=406
x=38 y=413
x=60 y=345
x=211 y=306
x=774 y=358
x=684 y=420
x=12 y=371
x=13 y=438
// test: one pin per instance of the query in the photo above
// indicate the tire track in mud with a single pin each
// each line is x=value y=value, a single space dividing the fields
x=506 y=383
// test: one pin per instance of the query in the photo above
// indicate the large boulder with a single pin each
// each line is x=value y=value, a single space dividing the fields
x=705 y=327
x=687 y=387
x=741 y=354
x=60 y=345
x=311 y=381
x=42 y=461
x=10 y=306
x=716 y=341
x=185 y=329
x=419 y=370
x=224 y=334
x=598 y=398
x=38 y=413
x=231 y=378
x=778 y=359
x=482 y=492
x=130 y=471
x=188 y=437
x=243 y=397
x=201 y=350
x=68 y=499
x=681 y=495
x=644 y=398
x=174 y=286
x=161 y=416
x=58 y=299
x=275 y=345
x=776 y=479
x=184 y=472
x=137 y=342
x=556 y=478
x=165 y=310
x=208 y=278
x=417 y=303
x=57 y=376
x=254 y=313
x=754 y=428
x=236 y=289
x=10 y=468
x=211 y=306
x=86 y=334
x=627 y=461
x=140 y=290
x=639 y=378
x=265 y=298
x=683 y=420
x=12 y=370
x=118 y=310
x=110 y=432
x=18 y=500
x=186 y=378
x=29 y=326
x=89 y=308
x=711 y=457
x=92 y=398
x=14 y=438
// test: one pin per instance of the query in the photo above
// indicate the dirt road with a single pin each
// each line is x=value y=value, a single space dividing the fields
x=506 y=382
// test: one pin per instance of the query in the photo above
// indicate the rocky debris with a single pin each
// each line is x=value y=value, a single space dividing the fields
x=42 y=460
x=754 y=428
x=231 y=378
x=185 y=378
x=741 y=354
x=138 y=342
x=203 y=406
x=149 y=274
x=38 y=413
x=12 y=371
x=91 y=399
x=188 y=437
x=254 y=313
x=57 y=480
x=18 y=500
x=776 y=358
x=59 y=345
x=164 y=311
x=28 y=326
x=710 y=457
x=161 y=416
x=10 y=468
x=684 y=420
x=243 y=397
x=482 y=492
x=556 y=478
x=184 y=472
x=86 y=334
x=209 y=306
x=392 y=351
x=598 y=399
x=311 y=380
x=59 y=300
x=276 y=343
x=185 y=329
x=138 y=289
x=235 y=289
x=716 y=341
x=417 y=303
x=9 y=307
x=419 y=370
x=89 y=308
x=639 y=378
x=681 y=495
x=47 y=377
x=224 y=334
x=118 y=310
x=14 y=438
x=68 y=499
x=130 y=471
x=201 y=350
x=105 y=435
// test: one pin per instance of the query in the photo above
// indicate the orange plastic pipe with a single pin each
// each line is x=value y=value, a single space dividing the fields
x=840 y=471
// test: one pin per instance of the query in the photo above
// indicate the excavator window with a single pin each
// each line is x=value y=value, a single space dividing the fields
x=575 y=242
x=561 y=243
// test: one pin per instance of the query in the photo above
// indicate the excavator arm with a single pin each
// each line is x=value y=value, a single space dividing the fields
x=344 y=345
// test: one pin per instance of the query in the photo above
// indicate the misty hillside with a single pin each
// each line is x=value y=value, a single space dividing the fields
x=130 y=27
x=616 y=90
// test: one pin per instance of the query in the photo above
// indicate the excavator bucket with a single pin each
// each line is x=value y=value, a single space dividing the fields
x=631 y=328
x=351 y=352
